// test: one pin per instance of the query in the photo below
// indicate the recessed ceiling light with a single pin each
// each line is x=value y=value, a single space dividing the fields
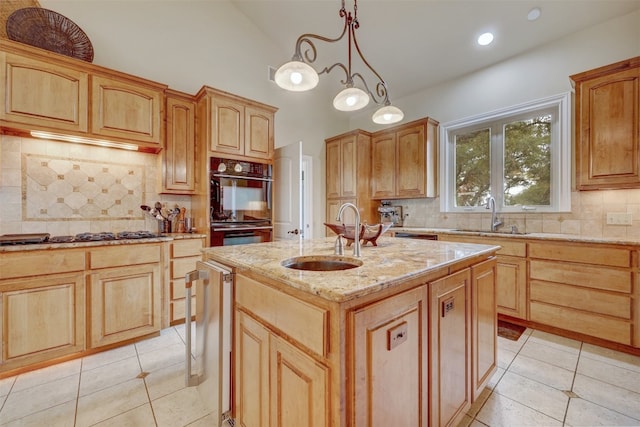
x=534 y=14
x=485 y=39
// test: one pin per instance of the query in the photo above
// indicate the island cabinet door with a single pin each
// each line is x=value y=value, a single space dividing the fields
x=390 y=361
x=484 y=325
x=450 y=314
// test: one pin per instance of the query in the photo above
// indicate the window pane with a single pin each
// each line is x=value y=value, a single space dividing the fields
x=473 y=170
x=527 y=162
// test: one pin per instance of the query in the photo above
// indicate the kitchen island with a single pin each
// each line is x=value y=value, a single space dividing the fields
x=406 y=338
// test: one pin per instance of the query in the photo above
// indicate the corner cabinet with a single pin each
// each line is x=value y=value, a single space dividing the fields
x=347 y=176
x=607 y=111
x=235 y=127
x=179 y=155
x=404 y=161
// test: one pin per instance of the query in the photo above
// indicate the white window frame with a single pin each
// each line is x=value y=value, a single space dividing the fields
x=560 y=155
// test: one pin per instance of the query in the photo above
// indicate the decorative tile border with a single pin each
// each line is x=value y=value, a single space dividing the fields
x=63 y=189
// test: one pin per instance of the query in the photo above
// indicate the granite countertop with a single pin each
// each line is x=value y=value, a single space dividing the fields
x=392 y=262
x=537 y=236
x=49 y=246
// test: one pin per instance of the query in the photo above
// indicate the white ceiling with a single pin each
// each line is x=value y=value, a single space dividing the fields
x=420 y=43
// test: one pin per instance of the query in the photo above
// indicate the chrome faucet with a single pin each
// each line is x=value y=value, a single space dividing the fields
x=356 y=233
x=495 y=222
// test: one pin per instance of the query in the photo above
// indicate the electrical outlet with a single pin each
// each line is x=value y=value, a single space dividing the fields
x=619 y=218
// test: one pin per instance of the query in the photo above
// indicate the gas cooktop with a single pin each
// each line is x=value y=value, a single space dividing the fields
x=35 y=238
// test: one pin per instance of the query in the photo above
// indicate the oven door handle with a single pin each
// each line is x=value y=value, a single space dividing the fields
x=240 y=229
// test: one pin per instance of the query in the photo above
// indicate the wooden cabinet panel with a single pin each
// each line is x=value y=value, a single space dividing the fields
x=484 y=326
x=383 y=166
x=186 y=248
x=581 y=275
x=125 y=303
x=111 y=256
x=259 y=133
x=181 y=266
x=43 y=94
x=183 y=256
x=349 y=163
x=450 y=322
x=177 y=310
x=179 y=152
x=411 y=170
x=251 y=372
x=227 y=122
x=334 y=170
x=42 y=318
x=126 y=110
x=605 y=327
x=511 y=290
x=20 y=264
x=608 y=126
x=299 y=387
x=583 y=253
x=387 y=334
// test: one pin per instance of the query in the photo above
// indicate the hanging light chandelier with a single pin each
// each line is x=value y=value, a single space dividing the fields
x=298 y=75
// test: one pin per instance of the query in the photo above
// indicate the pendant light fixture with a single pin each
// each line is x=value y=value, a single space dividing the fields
x=298 y=75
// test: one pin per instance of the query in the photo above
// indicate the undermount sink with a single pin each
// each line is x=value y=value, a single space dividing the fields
x=472 y=230
x=321 y=263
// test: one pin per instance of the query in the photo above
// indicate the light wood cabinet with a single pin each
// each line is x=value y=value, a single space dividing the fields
x=404 y=161
x=450 y=340
x=348 y=176
x=484 y=326
x=235 y=127
x=126 y=110
x=511 y=275
x=391 y=352
x=42 y=318
x=608 y=126
x=179 y=154
x=277 y=382
x=43 y=94
x=183 y=255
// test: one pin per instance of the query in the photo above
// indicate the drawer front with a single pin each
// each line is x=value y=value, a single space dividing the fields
x=123 y=255
x=40 y=263
x=177 y=289
x=509 y=246
x=614 y=257
x=303 y=322
x=581 y=275
x=177 y=310
x=181 y=266
x=599 y=326
x=186 y=247
x=590 y=300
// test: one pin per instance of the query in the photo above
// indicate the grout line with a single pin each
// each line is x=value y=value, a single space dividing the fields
x=146 y=387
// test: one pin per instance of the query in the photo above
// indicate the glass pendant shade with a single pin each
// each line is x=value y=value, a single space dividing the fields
x=350 y=99
x=296 y=76
x=387 y=115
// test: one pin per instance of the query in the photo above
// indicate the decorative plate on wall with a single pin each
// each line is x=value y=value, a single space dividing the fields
x=49 y=30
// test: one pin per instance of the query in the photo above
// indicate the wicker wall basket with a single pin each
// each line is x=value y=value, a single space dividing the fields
x=49 y=30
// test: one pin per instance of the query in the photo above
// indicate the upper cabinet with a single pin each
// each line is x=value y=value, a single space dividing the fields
x=404 y=161
x=66 y=97
x=235 y=127
x=608 y=126
x=178 y=159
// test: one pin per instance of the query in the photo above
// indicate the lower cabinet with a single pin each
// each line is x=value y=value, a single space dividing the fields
x=484 y=326
x=183 y=255
x=390 y=361
x=124 y=303
x=277 y=384
x=42 y=318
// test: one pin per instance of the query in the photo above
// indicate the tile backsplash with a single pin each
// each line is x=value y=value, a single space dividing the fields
x=65 y=189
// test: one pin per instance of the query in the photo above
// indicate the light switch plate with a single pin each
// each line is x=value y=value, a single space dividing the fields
x=619 y=218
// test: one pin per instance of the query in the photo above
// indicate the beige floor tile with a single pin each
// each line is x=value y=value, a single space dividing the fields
x=6 y=384
x=48 y=374
x=21 y=403
x=495 y=378
x=612 y=357
x=106 y=357
x=142 y=416
x=611 y=374
x=550 y=354
x=109 y=402
x=207 y=421
x=162 y=357
x=179 y=408
x=511 y=345
x=558 y=342
x=501 y=411
x=533 y=394
x=165 y=381
x=543 y=372
x=480 y=401
x=109 y=375
x=618 y=399
x=583 y=413
x=505 y=357
x=63 y=415
x=477 y=423
x=167 y=337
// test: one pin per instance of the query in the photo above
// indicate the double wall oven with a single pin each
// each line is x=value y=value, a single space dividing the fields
x=241 y=202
